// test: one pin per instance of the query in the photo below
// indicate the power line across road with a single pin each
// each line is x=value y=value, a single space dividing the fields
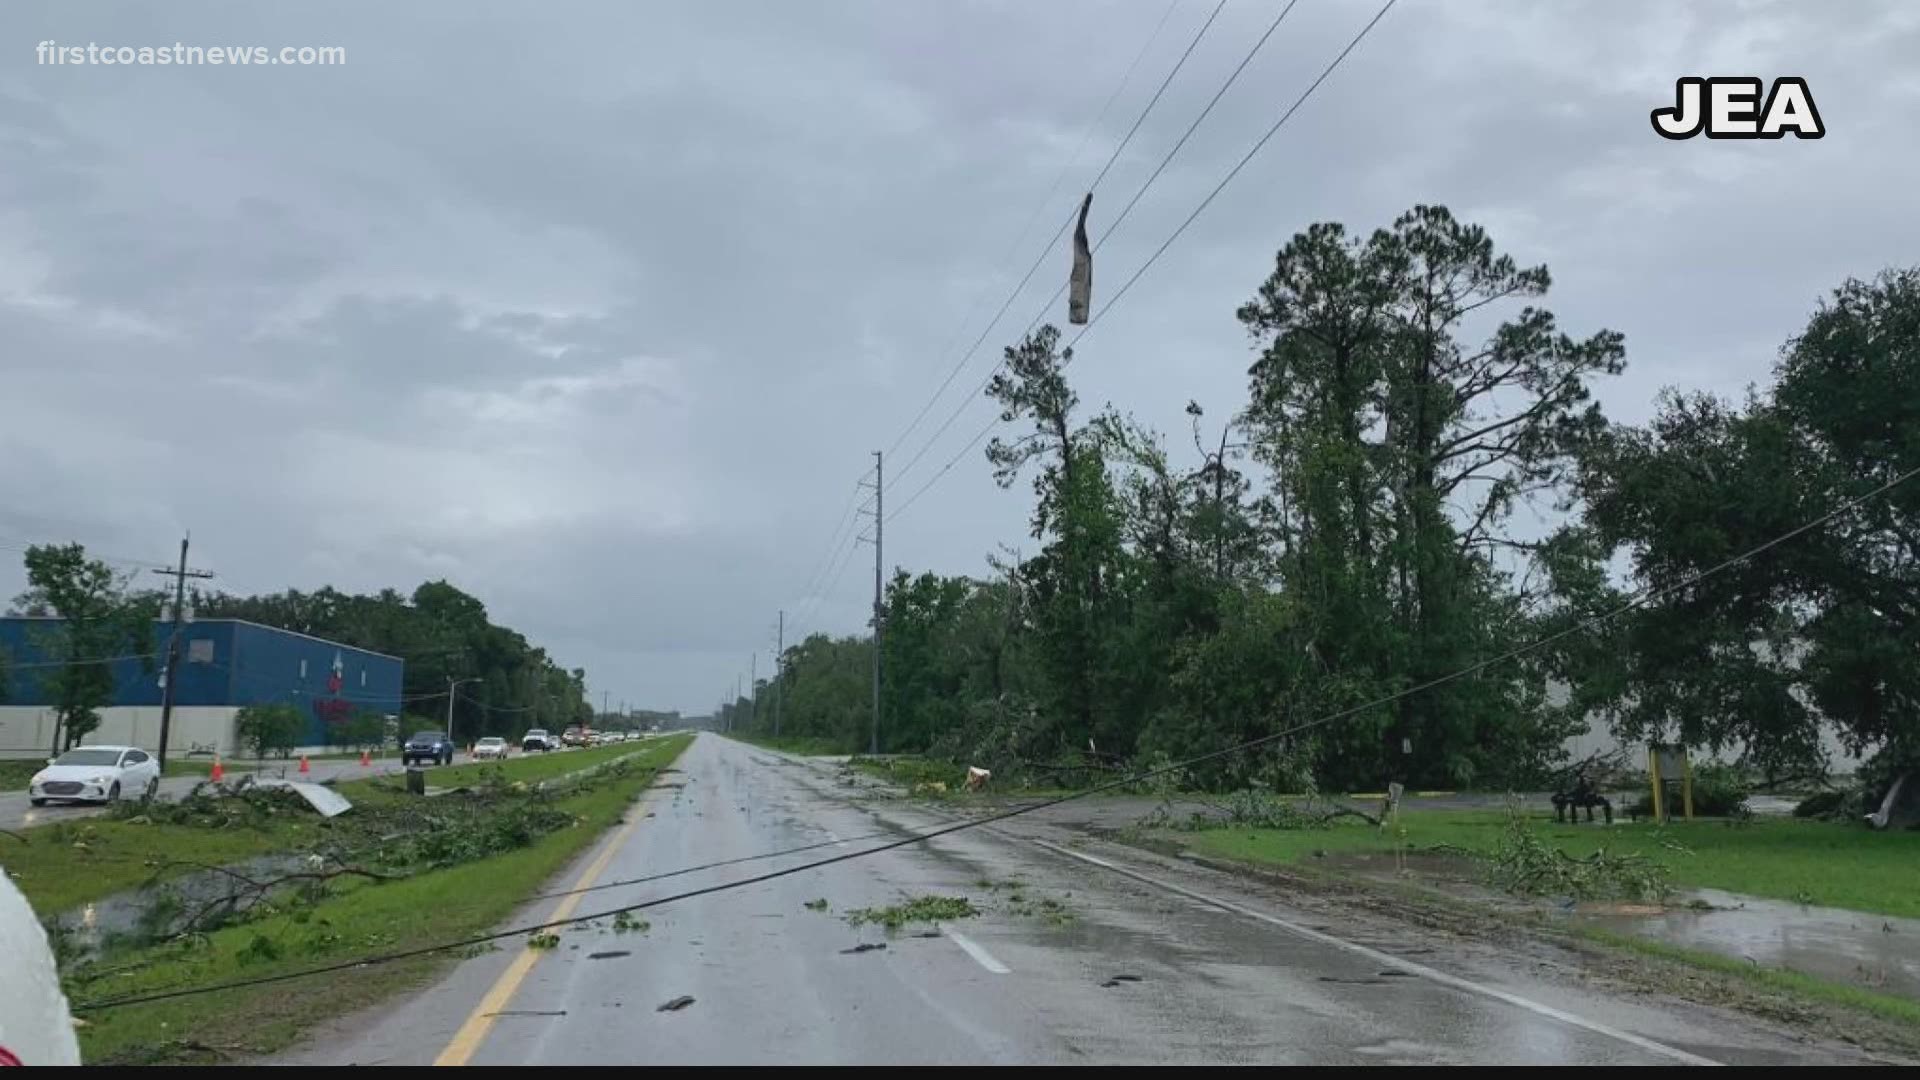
x=1123 y=971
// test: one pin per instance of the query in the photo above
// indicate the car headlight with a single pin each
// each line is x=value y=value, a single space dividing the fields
x=98 y=779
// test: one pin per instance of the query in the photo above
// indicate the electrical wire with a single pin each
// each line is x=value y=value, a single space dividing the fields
x=1059 y=177
x=1235 y=171
x=811 y=606
x=496 y=708
x=18 y=544
x=967 y=357
x=1204 y=203
x=1112 y=228
x=6 y=666
x=833 y=539
x=1636 y=601
x=685 y=870
x=280 y=682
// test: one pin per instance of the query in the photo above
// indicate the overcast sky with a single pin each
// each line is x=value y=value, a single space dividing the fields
x=598 y=310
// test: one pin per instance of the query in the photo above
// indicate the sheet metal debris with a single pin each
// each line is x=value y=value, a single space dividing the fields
x=327 y=801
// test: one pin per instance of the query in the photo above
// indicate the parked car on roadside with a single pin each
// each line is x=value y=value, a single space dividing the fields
x=574 y=736
x=96 y=774
x=427 y=747
x=492 y=747
x=537 y=741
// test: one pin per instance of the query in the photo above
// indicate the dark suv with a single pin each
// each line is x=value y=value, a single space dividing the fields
x=427 y=746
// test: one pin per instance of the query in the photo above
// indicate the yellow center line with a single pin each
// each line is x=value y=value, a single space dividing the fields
x=472 y=1033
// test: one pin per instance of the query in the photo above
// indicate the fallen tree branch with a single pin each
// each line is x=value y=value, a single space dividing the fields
x=253 y=891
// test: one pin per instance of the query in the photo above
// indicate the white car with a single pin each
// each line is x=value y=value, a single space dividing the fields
x=493 y=746
x=96 y=774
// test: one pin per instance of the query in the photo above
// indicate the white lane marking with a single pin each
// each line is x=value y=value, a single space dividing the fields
x=981 y=956
x=1389 y=960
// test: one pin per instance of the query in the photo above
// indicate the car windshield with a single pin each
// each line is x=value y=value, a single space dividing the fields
x=426 y=736
x=89 y=757
x=536 y=731
x=490 y=741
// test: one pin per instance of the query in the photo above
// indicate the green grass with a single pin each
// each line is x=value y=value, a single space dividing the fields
x=356 y=920
x=14 y=773
x=1812 y=862
x=804 y=745
x=1902 y=1010
x=533 y=767
x=114 y=856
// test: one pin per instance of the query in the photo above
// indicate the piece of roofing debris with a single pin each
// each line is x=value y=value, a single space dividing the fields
x=865 y=946
x=676 y=1004
x=610 y=954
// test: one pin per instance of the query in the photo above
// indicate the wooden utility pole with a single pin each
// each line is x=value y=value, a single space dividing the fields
x=779 y=672
x=180 y=577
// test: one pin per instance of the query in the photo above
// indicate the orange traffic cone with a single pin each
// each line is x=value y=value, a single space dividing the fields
x=217 y=772
x=304 y=769
x=365 y=758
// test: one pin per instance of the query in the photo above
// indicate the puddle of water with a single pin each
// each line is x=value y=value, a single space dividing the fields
x=1862 y=949
x=92 y=924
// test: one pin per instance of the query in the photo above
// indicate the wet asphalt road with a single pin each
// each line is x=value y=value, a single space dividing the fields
x=1223 y=971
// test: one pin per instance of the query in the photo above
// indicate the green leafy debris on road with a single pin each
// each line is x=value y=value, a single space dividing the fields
x=819 y=904
x=1045 y=908
x=347 y=920
x=922 y=909
x=627 y=923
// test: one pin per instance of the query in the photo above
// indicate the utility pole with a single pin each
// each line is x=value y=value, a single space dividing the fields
x=454 y=685
x=180 y=577
x=604 y=696
x=753 y=688
x=879 y=530
x=779 y=673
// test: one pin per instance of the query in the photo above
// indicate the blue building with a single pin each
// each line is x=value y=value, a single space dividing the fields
x=224 y=664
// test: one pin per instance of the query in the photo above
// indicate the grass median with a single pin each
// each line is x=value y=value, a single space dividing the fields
x=1807 y=862
x=64 y=865
x=350 y=919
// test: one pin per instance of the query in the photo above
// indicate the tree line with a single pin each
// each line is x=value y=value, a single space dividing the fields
x=1345 y=543
x=443 y=634
x=508 y=683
